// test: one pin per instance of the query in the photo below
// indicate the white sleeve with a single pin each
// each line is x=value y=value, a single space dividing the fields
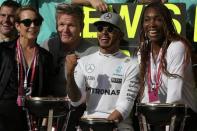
x=80 y=82
x=129 y=90
x=175 y=65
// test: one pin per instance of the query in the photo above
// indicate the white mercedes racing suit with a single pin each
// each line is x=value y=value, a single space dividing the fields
x=107 y=82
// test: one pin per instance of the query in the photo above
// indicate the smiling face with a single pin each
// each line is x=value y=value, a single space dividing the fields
x=69 y=28
x=109 y=38
x=28 y=32
x=153 y=25
x=6 y=20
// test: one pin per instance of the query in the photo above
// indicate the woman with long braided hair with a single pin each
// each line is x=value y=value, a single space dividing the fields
x=165 y=60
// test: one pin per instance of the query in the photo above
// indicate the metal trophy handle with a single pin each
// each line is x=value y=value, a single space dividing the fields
x=46 y=107
x=50 y=120
x=162 y=117
x=96 y=124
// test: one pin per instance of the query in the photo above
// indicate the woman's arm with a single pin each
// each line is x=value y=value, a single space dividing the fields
x=97 y=4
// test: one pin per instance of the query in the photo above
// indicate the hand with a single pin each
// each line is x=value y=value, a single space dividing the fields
x=99 y=5
x=164 y=1
x=115 y=116
x=71 y=62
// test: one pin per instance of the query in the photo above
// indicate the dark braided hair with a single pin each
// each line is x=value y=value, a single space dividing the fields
x=170 y=34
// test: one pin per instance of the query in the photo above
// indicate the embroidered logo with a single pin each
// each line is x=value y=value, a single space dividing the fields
x=90 y=77
x=90 y=68
x=108 y=16
x=116 y=80
x=118 y=69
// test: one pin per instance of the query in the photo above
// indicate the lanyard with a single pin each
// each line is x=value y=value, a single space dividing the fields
x=24 y=74
x=154 y=87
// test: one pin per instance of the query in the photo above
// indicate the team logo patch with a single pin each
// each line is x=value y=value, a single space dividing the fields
x=90 y=78
x=116 y=80
x=102 y=91
x=90 y=68
x=118 y=69
x=108 y=16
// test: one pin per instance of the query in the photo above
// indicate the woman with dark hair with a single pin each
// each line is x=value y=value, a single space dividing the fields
x=165 y=60
x=34 y=69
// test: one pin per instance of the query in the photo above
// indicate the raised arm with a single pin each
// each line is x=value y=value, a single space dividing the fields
x=97 y=4
x=72 y=89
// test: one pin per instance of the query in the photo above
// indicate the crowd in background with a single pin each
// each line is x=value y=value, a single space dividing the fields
x=48 y=28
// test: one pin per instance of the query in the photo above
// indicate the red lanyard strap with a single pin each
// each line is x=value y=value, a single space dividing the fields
x=23 y=73
x=153 y=92
x=158 y=76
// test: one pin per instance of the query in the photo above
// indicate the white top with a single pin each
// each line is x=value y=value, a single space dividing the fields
x=107 y=82
x=175 y=90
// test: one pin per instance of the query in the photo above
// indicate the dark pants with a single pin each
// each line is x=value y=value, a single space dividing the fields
x=72 y=119
x=11 y=117
x=191 y=121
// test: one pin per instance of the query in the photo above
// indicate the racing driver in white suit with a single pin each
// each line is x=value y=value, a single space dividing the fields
x=106 y=80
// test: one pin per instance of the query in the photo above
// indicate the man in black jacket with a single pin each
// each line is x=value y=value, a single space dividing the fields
x=10 y=114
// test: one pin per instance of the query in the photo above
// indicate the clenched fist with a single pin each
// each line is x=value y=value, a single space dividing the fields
x=71 y=62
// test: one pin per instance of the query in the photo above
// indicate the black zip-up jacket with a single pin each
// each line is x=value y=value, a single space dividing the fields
x=43 y=81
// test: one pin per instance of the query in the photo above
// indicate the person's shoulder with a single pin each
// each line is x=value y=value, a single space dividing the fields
x=131 y=64
x=176 y=46
x=50 y=43
x=9 y=44
x=91 y=50
x=132 y=60
x=6 y=51
x=128 y=60
x=176 y=43
x=43 y=51
x=86 y=47
x=53 y=39
x=87 y=43
x=89 y=57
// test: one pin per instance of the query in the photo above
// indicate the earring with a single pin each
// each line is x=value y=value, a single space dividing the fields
x=146 y=40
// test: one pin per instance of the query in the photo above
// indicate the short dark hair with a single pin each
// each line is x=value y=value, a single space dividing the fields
x=11 y=3
x=71 y=9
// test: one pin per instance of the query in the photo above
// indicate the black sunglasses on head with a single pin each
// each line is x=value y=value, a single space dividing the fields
x=28 y=22
x=109 y=28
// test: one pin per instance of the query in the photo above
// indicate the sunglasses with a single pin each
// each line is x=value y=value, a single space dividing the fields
x=109 y=29
x=28 y=22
